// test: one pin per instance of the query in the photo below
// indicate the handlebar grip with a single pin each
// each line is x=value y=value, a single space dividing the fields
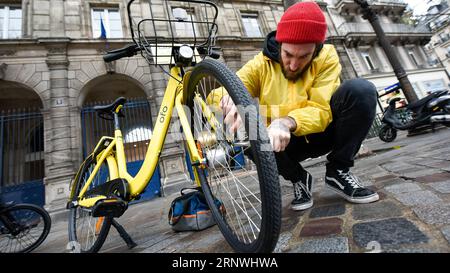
x=127 y=51
x=211 y=52
x=215 y=54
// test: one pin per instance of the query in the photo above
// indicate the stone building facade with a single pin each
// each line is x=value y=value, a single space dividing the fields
x=51 y=59
x=438 y=19
x=367 y=58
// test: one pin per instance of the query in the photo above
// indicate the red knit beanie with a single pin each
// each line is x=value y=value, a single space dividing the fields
x=303 y=22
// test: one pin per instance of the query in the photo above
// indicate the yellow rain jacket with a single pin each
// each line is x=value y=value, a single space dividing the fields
x=307 y=100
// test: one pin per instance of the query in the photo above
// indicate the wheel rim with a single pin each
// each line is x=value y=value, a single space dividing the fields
x=388 y=134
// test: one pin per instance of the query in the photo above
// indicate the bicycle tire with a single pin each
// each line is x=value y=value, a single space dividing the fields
x=267 y=173
x=74 y=239
x=26 y=226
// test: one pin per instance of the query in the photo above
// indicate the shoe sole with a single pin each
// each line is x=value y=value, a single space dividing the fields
x=302 y=206
x=368 y=199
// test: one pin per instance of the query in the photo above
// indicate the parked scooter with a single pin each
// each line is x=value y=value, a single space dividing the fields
x=431 y=110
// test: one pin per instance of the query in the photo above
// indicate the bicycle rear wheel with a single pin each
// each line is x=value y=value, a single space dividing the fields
x=86 y=232
x=240 y=179
x=23 y=227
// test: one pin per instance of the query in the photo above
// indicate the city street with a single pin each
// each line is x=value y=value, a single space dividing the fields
x=75 y=74
x=411 y=175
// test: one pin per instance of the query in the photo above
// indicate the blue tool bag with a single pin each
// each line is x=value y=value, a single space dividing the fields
x=190 y=211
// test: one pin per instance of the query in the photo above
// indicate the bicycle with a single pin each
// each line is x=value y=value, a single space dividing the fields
x=23 y=227
x=250 y=215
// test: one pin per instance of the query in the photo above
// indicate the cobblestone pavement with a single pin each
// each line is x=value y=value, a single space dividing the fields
x=411 y=175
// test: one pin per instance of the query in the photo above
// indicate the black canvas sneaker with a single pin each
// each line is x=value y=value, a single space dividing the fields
x=303 y=193
x=347 y=185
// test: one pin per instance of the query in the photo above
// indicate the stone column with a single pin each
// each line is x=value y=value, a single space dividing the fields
x=348 y=71
x=57 y=28
x=423 y=57
x=59 y=163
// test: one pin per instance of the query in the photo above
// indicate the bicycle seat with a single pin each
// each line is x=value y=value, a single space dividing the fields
x=110 y=108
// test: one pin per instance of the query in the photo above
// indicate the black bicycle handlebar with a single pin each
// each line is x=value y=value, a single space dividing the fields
x=212 y=52
x=128 y=51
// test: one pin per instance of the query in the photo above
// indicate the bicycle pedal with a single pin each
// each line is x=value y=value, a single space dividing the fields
x=112 y=207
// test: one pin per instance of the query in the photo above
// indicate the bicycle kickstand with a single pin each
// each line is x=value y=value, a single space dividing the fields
x=125 y=236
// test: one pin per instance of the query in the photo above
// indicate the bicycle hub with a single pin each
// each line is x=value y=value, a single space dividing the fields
x=219 y=157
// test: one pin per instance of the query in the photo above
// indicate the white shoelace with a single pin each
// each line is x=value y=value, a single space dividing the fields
x=298 y=190
x=351 y=179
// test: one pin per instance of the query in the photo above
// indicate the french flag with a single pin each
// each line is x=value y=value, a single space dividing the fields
x=102 y=30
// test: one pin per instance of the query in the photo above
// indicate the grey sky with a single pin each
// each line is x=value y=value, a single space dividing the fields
x=419 y=6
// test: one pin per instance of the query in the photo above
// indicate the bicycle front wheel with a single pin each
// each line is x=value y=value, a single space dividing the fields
x=23 y=227
x=86 y=232
x=240 y=178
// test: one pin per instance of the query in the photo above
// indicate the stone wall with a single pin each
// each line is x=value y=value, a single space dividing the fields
x=59 y=60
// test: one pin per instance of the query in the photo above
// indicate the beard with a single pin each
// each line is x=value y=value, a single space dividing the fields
x=292 y=75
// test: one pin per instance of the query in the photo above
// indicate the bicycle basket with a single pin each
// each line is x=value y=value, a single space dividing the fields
x=176 y=23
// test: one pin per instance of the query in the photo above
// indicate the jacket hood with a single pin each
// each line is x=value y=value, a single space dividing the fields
x=272 y=47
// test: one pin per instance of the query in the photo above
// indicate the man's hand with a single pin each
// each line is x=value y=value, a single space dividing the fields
x=280 y=133
x=232 y=117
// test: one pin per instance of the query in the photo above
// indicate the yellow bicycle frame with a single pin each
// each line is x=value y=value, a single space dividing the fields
x=116 y=161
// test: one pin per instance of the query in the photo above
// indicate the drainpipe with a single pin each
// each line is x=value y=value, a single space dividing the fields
x=399 y=71
x=288 y=3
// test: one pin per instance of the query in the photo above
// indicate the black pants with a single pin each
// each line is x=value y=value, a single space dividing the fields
x=353 y=106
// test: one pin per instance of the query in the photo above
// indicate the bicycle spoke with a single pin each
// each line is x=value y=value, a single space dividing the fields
x=28 y=228
x=228 y=167
x=6 y=244
x=237 y=180
x=244 y=204
x=29 y=238
x=84 y=226
x=243 y=208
